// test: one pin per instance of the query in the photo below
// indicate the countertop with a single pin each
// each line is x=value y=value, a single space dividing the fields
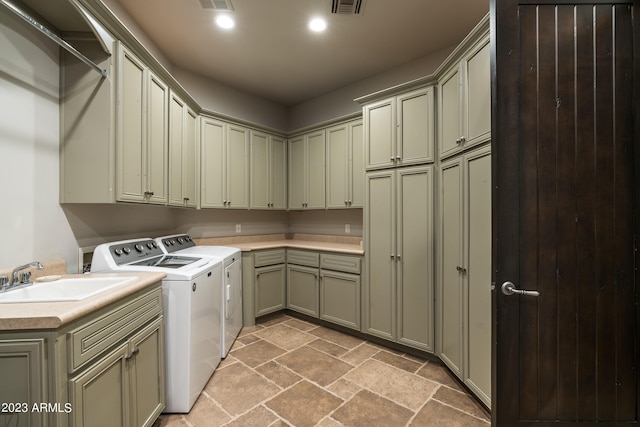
x=52 y=315
x=339 y=244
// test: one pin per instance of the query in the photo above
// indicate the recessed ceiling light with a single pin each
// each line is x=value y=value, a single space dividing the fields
x=317 y=25
x=225 y=21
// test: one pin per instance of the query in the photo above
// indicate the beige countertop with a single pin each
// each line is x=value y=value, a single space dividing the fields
x=52 y=315
x=340 y=244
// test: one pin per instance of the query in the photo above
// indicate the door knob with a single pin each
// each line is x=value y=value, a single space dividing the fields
x=508 y=288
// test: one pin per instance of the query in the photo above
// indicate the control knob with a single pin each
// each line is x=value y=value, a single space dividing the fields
x=180 y=240
x=126 y=250
x=118 y=251
x=150 y=245
x=138 y=247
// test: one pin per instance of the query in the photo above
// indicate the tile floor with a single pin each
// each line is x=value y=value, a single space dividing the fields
x=289 y=372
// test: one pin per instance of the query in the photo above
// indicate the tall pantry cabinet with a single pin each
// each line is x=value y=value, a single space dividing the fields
x=464 y=222
x=398 y=219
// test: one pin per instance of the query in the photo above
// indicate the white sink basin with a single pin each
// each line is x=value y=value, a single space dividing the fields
x=68 y=289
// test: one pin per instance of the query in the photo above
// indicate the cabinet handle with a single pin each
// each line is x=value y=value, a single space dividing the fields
x=186 y=199
x=393 y=256
x=463 y=139
x=134 y=352
x=398 y=158
x=461 y=269
x=393 y=159
x=148 y=193
x=399 y=257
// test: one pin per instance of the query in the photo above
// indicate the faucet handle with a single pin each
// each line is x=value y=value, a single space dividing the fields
x=25 y=277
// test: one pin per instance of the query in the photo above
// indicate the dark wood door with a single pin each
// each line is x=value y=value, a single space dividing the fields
x=564 y=205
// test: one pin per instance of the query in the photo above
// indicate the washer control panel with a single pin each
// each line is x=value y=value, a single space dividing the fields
x=177 y=242
x=125 y=253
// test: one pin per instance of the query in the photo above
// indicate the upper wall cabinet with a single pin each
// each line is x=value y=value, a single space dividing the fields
x=268 y=171
x=141 y=132
x=183 y=148
x=399 y=131
x=345 y=166
x=306 y=171
x=225 y=165
x=465 y=102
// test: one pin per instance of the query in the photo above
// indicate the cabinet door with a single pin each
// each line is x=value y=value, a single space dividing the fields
x=24 y=380
x=190 y=159
x=340 y=298
x=176 y=138
x=415 y=127
x=269 y=290
x=357 y=164
x=237 y=167
x=315 y=170
x=477 y=95
x=147 y=374
x=157 y=140
x=260 y=167
x=213 y=136
x=380 y=236
x=130 y=145
x=278 y=173
x=477 y=260
x=338 y=171
x=302 y=289
x=380 y=134
x=451 y=264
x=100 y=396
x=415 y=257
x=297 y=168
x=450 y=113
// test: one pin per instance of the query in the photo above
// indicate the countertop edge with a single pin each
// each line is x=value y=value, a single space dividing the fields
x=53 y=315
x=300 y=244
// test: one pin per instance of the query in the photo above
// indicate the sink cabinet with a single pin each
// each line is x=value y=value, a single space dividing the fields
x=106 y=368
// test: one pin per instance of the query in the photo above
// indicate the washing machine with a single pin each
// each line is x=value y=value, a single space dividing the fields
x=231 y=319
x=192 y=303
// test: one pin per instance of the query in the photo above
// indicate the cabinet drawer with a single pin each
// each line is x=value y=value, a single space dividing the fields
x=310 y=259
x=269 y=257
x=346 y=263
x=101 y=333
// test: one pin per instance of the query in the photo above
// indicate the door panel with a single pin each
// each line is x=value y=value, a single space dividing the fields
x=563 y=223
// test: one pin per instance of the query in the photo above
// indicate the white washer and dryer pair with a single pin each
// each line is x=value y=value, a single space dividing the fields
x=231 y=316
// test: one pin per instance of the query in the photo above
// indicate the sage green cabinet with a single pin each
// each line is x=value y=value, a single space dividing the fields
x=141 y=132
x=104 y=369
x=225 y=165
x=464 y=254
x=183 y=148
x=465 y=101
x=269 y=281
x=400 y=131
x=268 y=171
x=307 y=171
x=345 y=166
x=24 y=380
x=303 y=281
x=398 y=221
x=340 y=284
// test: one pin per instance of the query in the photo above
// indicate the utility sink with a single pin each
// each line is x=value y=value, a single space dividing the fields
x=67 y=289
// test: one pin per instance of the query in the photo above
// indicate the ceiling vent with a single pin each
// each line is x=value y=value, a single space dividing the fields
x=347 y=7
x=219 y=5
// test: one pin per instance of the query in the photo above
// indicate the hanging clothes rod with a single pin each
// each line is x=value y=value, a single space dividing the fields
x=44 y=30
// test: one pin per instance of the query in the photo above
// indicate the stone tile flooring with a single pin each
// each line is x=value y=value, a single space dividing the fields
x=289 y=372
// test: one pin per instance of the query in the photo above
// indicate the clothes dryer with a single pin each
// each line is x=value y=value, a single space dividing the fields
x=231 y=319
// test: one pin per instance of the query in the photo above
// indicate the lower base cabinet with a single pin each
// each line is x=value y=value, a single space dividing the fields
x=340 y=298
x=302 y=289
x=105 y=369
x=266 y=281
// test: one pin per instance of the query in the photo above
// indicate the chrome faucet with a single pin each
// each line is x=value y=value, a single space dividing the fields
x=26 y=277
